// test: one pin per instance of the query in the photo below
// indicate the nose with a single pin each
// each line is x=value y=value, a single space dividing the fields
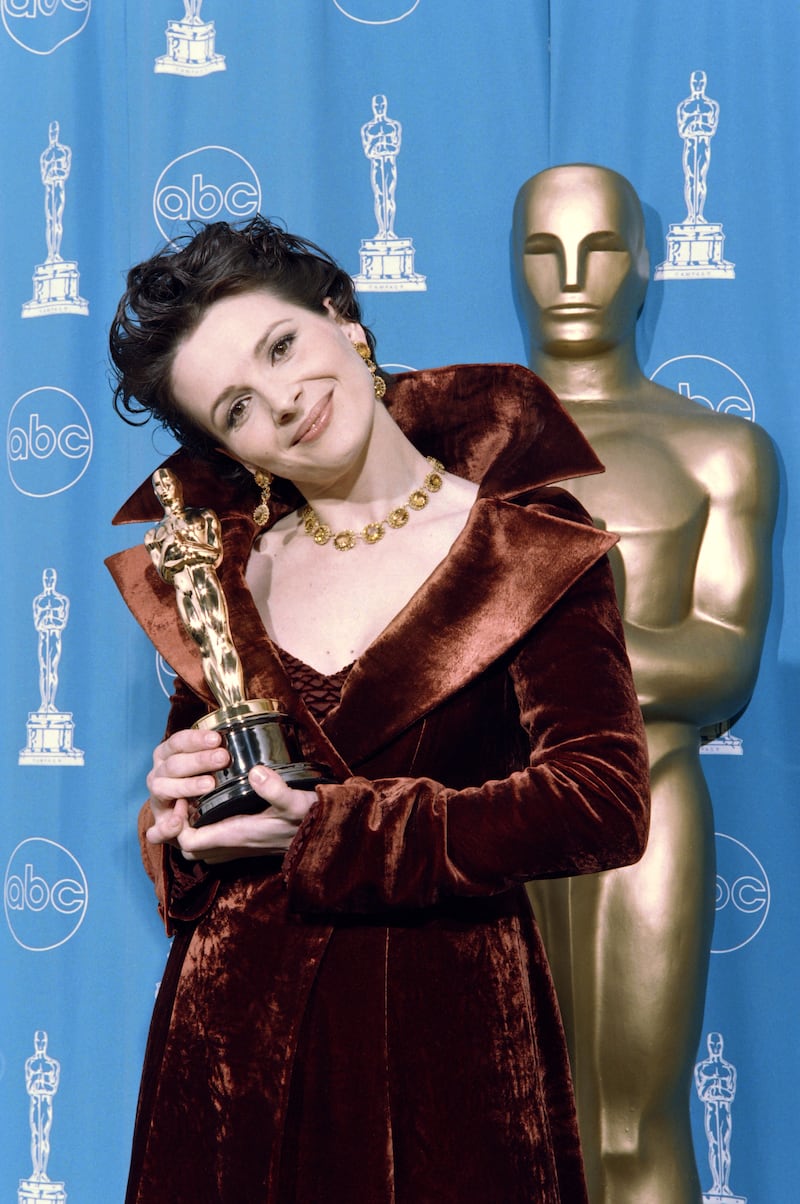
x=572 y=266
x=285 y=405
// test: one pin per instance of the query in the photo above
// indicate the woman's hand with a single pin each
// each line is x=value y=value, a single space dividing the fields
x=183 y=768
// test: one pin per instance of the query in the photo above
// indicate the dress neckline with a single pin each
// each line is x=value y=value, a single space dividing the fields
x=321 y=692
x=294 y=662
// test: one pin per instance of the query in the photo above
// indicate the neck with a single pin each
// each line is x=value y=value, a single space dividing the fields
x=613 y=373
x=387 y=471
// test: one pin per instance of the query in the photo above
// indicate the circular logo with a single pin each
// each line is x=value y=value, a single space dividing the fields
x=208 y=184
x=709 y=381
x=742 y=895
x=45 y=894
x=165 y=674
x=48 y=442
x=41 y=26
x=376 y=12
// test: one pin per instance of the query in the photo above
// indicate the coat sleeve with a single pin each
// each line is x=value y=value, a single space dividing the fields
x=581 y=804
x=184 y=889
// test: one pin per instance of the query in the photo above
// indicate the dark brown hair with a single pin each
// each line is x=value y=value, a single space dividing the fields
x=168 y=295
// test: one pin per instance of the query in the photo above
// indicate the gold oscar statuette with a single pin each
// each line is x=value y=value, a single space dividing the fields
x=186 y=549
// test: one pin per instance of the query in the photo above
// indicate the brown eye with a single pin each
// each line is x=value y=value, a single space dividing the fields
x=280 y=347
x=237 y=413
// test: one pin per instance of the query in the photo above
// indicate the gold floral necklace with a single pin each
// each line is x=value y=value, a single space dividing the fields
x=321 y=533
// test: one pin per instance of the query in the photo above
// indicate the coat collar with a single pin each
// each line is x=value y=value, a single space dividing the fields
x=498 y=425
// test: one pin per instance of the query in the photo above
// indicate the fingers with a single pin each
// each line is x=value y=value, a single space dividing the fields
x=237 y=836
x=184 y=765
x=269 y=831
x=270 y=786
x=183 y=769
x=168 y=823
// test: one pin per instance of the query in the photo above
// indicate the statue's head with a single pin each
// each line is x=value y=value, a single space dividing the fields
x=580 y=252
x=49 y=580
x=697 y=82
x=167 y=489
x=714 y=1041
x=53 y=132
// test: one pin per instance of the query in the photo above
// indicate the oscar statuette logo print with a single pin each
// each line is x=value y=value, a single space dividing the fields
x=41 y=26
x=48 y=442
x=191 y=45
x=387 y=261
x=45 y=894
x=56 y=281
x=742 y=895
x=207 y=184
x=376 y=12
x=50 y=732
x=42 y=1077
x=695 y=245
x=715 y=1084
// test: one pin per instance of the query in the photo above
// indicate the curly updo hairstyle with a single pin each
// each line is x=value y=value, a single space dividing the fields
x=168 y=295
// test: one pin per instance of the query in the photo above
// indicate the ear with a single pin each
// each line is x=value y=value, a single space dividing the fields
x=353 y=330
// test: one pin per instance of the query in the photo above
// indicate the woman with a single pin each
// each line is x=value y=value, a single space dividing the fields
x=357 y=1005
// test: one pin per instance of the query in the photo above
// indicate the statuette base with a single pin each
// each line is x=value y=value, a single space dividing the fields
x=56 y=286
x=255 y=732
x=41 y=1191
x=695 y=252
x=190 y=50
x=50 y=740
x=387 y=265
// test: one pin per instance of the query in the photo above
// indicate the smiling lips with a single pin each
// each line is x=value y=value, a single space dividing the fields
x=317 y=421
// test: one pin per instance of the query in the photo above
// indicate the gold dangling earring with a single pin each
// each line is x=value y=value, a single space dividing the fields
x=378 y=383
x=264 y=482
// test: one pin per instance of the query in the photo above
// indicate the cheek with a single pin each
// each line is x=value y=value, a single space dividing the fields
x=607 y=277
x=543 y=277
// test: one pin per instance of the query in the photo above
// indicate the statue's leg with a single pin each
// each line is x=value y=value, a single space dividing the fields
x=629 y=952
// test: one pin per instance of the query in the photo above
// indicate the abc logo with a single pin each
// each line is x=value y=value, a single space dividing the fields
x=41 y=26
x=376 y=12
x=165 y=674
x=709 y=381
x=742 y=895
x=208 y=184
x=49 y=442
x=45 y=894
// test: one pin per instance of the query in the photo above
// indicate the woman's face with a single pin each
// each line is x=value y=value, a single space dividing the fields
x=277 y=386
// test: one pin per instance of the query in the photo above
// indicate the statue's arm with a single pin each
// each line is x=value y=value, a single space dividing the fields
x=702 y=668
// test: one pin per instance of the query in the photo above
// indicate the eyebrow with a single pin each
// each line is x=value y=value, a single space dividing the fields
x=231 y=391
x=547 y=237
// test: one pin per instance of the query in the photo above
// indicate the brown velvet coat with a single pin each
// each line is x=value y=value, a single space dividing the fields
x=372 y=1020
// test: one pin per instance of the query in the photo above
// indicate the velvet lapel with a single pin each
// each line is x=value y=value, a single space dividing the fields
x=505 y=571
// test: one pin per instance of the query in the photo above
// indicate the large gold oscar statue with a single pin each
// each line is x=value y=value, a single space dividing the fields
x=692 y=494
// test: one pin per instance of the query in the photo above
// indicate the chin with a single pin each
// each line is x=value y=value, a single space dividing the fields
x=576 y=343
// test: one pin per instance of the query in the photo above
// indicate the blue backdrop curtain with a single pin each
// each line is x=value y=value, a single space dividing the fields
x=123 y=121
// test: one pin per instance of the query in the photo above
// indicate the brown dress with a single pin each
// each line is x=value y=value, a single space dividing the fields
x=371 y=1020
